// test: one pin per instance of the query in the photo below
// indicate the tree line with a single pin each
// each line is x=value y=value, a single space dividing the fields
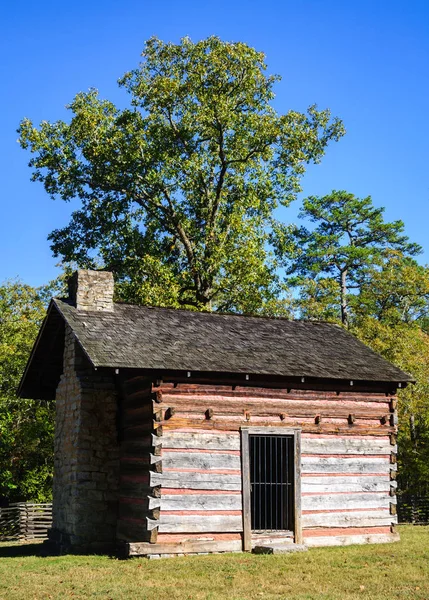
x=177 y=194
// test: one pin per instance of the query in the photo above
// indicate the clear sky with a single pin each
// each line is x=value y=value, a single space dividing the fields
x=367 y=60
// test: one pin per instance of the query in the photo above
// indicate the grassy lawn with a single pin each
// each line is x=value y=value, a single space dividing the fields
x=377 y=572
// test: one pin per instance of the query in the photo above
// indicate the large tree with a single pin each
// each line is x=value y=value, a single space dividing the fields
x=349 y=242
x=390 y=314
x=26 y=426
x=177 y=191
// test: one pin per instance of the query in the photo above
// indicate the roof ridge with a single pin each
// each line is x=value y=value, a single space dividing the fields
x=226 y=314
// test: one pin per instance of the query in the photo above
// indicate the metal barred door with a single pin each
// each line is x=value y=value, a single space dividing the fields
x=272 y=482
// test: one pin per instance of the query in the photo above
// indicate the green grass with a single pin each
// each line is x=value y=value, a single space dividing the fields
x=375 y=572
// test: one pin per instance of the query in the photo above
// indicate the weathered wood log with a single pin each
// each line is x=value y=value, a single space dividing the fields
x=136 y=416
x=170 y=412
x=185 y=547
x=196 y=481
x=135 y=489
x=346 y=501
x=157 y=396
x=262 y=407
x=339 y=445
x=348 y=519
x=139 y=431
x=201 y=501
x=235 y=425
x=158 y=415
x=231 y=441
x=364 y=464
x=324 y=485
x=209 y=441
x=135 y=531
x=197 y=523
x=127 y=510
x=200 y=460
x=272 y=391
x=346 y=540
x=138 y=446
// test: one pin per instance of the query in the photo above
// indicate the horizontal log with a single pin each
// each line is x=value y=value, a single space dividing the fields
x=346 y=501
x=347 y=540
x=260 y=538
x=250 y=419
x=334 y=445
x=287 y=393
x=133 y=531
x=313 y=464
x=337 y=445
x=139 y=446
x=146 y=441
x=208 y=441
x=230 y=425
x=199 y=460
x=137 y=431
x=136 y=489
x=330 y=485
x=348 y=519
x=134 y=384
x=266 y=407
x=196 y=481
x=185 y=547
x=135 y=468
x=127 y=510
x=201 y=502
x=146 y=503
x=197 y=523
x=137 y=416
x=178 y=538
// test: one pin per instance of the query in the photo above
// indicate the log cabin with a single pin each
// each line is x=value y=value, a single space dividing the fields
x=181 y=432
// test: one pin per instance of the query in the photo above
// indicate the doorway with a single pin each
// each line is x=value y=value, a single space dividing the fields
x=271 y=482
x=271 y=473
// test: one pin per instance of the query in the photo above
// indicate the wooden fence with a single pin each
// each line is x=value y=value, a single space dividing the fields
x=25 y=521
x=413 y=509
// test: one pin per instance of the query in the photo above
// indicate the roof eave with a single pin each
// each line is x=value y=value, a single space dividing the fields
x=34 y=349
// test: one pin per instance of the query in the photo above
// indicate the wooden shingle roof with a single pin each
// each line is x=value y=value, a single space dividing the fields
x=139 y=337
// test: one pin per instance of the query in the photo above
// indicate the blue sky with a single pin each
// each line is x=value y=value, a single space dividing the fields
x=367 y=60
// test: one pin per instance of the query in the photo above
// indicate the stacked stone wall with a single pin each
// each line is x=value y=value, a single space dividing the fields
x=86 y=467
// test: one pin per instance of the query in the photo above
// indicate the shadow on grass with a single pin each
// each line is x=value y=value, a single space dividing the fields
x=44 y=549
x=15 y=550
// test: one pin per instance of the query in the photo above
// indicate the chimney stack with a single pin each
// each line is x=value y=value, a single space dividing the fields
x=91 y=290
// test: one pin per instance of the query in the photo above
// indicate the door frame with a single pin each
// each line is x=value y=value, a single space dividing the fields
x=245 y=432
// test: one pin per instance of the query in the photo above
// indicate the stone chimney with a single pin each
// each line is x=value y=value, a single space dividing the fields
x=91 y=290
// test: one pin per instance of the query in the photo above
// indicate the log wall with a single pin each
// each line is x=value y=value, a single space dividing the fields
x=139 y=497
x=192 y=474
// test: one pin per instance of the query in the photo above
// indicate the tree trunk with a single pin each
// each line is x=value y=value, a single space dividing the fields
x=344 y=311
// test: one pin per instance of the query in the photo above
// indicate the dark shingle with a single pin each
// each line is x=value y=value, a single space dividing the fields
x=169 y=339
